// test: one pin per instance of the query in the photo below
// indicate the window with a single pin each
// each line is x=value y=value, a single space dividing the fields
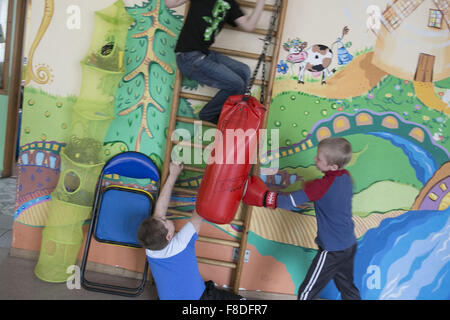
x=6 y=8
x=435 y=19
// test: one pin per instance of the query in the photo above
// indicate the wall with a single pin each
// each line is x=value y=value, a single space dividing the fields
x=397 y=129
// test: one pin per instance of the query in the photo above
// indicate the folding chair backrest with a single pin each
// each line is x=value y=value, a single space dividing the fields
x=132 y=164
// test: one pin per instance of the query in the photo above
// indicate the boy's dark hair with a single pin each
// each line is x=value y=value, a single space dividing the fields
x=337 y=151
x=152 y=234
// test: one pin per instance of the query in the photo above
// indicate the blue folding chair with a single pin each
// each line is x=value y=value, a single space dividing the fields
x=117 y=213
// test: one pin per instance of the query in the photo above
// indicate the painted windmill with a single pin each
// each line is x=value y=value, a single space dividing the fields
x=411 y=45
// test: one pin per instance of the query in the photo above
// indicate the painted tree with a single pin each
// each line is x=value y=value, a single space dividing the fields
x=143 y=99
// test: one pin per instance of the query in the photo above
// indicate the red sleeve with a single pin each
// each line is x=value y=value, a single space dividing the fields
x=315 y=189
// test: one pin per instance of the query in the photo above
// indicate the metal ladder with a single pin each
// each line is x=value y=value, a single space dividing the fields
x=244 y=222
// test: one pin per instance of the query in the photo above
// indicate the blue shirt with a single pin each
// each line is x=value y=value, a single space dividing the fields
x=175 y=268
x=332 y=196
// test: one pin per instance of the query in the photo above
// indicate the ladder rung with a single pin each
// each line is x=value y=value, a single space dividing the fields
x=204 y=98
x=188 y=214
x=179 y=213
x=200 y=97
x=195 y=96
x=184 y=190
x=259 y=31
x=195 y=169
x=250 y=4
x=190 y=144
x=237 y=53
x=191 y=120
x=259 y=82
x=229 y=243
x=215 y=262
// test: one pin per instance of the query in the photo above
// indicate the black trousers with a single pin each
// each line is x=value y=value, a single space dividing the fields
x=327 y=265
x=213 y=293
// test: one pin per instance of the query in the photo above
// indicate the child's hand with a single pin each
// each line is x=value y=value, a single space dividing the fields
x=175 y=168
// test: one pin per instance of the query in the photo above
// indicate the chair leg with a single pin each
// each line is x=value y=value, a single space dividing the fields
x=106 y=288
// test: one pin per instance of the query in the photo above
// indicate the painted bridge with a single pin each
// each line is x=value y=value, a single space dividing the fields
x=344 y=124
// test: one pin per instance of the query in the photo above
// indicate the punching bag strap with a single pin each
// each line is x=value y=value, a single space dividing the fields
x=262 y=56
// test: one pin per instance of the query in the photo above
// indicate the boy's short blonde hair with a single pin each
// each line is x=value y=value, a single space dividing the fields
x=336 y=151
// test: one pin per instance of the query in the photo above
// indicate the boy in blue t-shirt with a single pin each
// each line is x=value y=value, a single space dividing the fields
x=171 y=256
x=332 y=196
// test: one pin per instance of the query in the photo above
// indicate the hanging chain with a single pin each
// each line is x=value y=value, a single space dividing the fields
x=262 y=57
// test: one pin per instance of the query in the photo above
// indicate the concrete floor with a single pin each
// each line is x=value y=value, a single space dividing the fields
x=18 y=282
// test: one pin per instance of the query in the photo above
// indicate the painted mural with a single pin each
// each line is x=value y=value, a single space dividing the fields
x=346 y=76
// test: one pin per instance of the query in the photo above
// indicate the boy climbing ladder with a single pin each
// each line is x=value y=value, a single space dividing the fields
x=205 y=19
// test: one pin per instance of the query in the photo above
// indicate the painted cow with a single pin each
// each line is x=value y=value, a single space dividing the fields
x=318 y=59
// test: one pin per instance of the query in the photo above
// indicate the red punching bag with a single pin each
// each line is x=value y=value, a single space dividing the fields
x=234 y=150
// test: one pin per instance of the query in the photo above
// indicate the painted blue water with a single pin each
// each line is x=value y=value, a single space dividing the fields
x=422 y=161
x=407 y=257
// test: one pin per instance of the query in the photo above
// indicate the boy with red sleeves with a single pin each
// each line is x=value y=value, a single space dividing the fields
x=332 y=196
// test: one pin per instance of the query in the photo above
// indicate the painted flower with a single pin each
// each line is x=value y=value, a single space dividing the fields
x=410 y=94
x=438 y=136
x=282 y=67
x=417 y=107
x=370 y=95
x=426 y=118
x=388 y=95
x=397 y=87
x=405 y=113
x=406 y=82
x=340 y=109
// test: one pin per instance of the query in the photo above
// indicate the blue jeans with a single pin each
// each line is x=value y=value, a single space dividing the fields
x=218 y=71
